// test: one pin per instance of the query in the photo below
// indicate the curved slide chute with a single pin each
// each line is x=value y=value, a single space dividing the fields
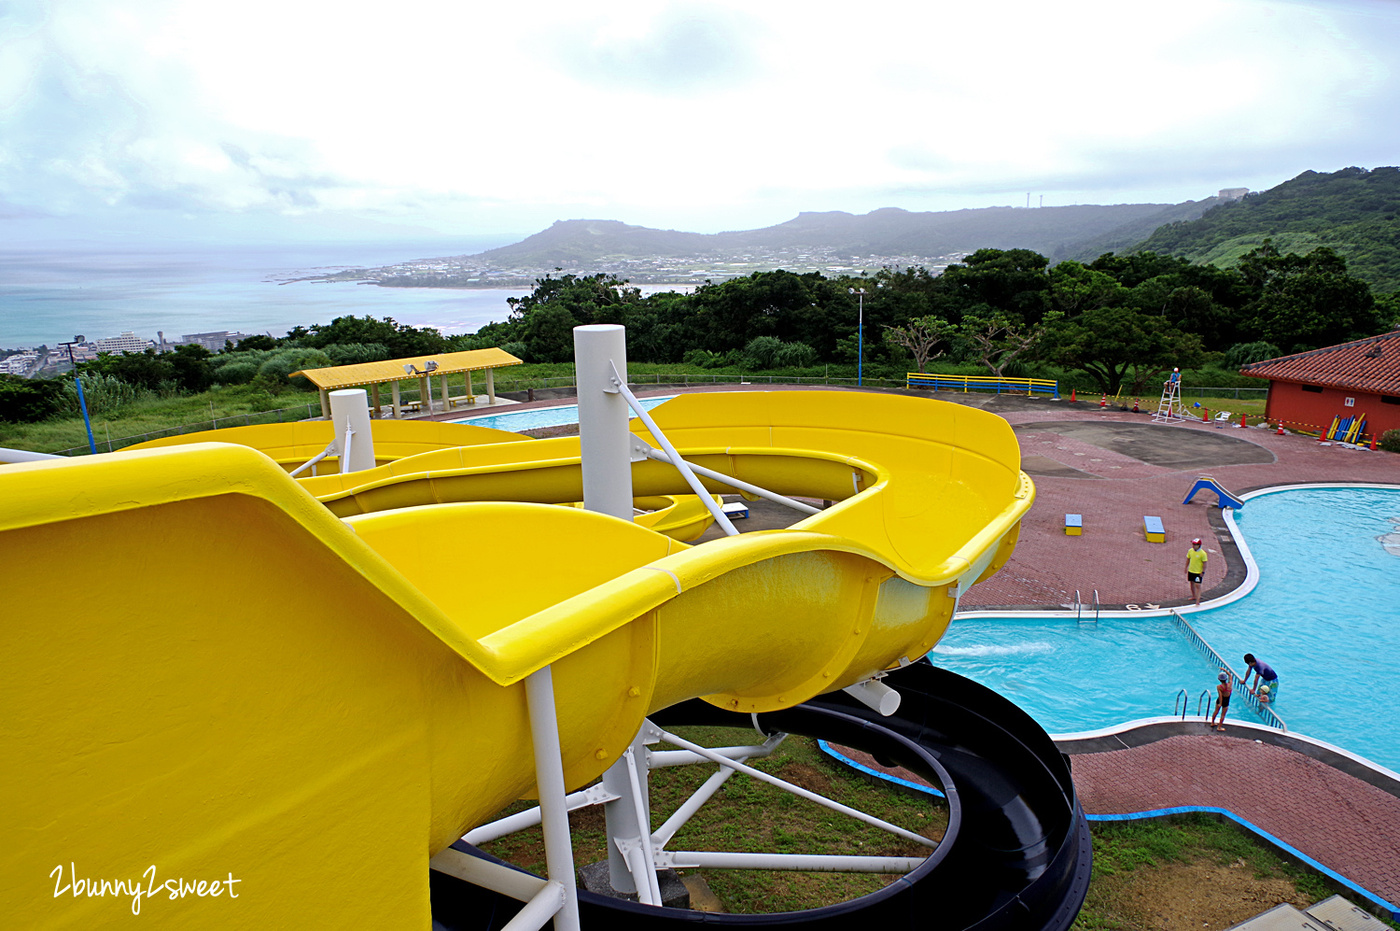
x=233 y=682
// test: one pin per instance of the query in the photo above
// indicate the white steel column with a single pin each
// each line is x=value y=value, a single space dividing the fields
x=549 y=780
x=350 y=408
x=604 y=441
x=398 y=402
x=600 y=355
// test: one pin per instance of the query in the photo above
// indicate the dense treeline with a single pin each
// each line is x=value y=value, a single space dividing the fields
x=1354 y=211
x=1120 y=321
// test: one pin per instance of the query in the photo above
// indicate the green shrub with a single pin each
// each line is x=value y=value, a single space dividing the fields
x=104 y=394
x=273 y=373
x=1242 y=354
x=236 y=373
x=1390 y=441
x=29 y=400
x=355 y=353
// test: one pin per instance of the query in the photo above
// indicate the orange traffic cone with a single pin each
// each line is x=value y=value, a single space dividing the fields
x=1280 y=430
x=1072 y=398
x=1103 y=401
x=1243 y=422
x=1373 y=442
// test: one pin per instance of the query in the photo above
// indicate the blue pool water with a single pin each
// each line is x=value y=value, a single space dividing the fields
x=1325 y=614
x=539 y=417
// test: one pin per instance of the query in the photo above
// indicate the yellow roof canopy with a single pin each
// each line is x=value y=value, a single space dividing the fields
x=373 y=373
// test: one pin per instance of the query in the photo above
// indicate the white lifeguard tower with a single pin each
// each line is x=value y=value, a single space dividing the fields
x=1169 y=408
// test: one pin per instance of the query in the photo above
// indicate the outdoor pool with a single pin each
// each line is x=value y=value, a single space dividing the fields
x=540 y=417
x=1325 y=614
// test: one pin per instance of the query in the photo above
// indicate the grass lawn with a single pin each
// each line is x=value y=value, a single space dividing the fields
x=1148 y=876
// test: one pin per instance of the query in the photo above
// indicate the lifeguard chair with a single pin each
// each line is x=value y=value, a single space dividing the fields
x=1169 y=408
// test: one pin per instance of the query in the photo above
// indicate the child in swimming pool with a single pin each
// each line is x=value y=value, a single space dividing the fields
x=1223 y=690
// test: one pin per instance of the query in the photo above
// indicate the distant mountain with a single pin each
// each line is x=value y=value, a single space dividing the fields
x=888 y=232
x=1126 y=238
x=1354 y=211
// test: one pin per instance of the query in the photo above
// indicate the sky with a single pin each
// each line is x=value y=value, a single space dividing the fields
x=303 y=120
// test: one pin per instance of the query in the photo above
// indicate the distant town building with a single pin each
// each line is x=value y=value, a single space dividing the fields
x=1232 y=193
x=214 y=342
x=127 y=342
x=19 y=364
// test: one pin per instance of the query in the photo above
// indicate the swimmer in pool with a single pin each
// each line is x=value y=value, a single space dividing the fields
x=1223 y=690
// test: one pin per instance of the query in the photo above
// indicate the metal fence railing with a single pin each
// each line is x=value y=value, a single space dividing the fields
x=1237 y=393
x=997 y=383
x=1266 y=713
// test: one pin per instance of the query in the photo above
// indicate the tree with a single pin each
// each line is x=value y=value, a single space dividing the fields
x=919 y=336
x=1306 y=301
x=1113 y=343
x=28 y=400
x=998 y=338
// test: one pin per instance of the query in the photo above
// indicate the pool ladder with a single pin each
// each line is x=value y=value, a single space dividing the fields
x=1183 y=700
x=1079 y=608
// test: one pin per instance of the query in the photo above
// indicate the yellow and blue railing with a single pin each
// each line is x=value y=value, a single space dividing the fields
x=999 y=384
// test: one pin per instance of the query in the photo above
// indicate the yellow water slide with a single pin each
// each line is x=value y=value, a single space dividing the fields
x=210 y=676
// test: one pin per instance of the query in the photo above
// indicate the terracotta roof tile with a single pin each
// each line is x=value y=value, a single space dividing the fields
x=1371 y=365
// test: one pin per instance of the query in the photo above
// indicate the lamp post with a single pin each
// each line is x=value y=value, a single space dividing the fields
x=860 y=334
x=82 y=401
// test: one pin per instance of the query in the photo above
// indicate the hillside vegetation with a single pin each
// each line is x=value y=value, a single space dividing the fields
x=1355 y=212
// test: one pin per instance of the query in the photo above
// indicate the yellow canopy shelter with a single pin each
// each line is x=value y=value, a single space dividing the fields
x=423 y=369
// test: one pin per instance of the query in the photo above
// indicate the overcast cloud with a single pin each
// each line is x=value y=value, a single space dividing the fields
x=319 y=118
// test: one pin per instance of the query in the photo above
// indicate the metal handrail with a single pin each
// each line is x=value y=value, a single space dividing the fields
x=1096 y=606
x=1203 y=702
x=1266 y=714
x=1078 y=606
x=1179 y=703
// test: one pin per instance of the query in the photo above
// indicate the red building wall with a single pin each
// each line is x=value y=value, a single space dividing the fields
x=1292 y=406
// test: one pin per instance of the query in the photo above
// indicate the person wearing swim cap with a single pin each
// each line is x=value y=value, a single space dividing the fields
x=1223 y=690
x=1196 y=558
x=1264 y=676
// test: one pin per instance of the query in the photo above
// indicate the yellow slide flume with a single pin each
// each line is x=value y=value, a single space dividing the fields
x=214 y=677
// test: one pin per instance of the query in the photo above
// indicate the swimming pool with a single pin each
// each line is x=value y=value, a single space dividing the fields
x=1325 y=614
x=540 y=417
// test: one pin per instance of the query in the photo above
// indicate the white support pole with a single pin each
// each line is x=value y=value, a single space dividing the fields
x=640 y=446
x=549 y=780
x=600 y=352
x=445 y=393
x=471 y=390
x=814 y=863
x=350 y=411
x=398 y=402
x=491 y=386
x=619 y=381
x=593 y=795
x=325 y=404
x=659 y=759
x=662 y=835
x=800 y=792
x=875 y=695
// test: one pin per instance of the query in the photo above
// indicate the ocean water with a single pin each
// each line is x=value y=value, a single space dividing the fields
x=49 y=295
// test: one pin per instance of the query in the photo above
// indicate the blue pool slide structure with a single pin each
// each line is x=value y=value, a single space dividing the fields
x=1015 y=855
x=1206 y=483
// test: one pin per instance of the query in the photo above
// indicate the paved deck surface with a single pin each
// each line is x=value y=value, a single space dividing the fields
x=1345 y=824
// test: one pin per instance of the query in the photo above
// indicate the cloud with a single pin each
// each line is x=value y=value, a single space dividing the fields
x=697 y=115
x=677 y=49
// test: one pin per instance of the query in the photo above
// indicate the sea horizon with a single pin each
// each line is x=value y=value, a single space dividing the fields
x=50 y=293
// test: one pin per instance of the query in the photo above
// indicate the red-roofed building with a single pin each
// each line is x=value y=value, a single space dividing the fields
x=1307 y=390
